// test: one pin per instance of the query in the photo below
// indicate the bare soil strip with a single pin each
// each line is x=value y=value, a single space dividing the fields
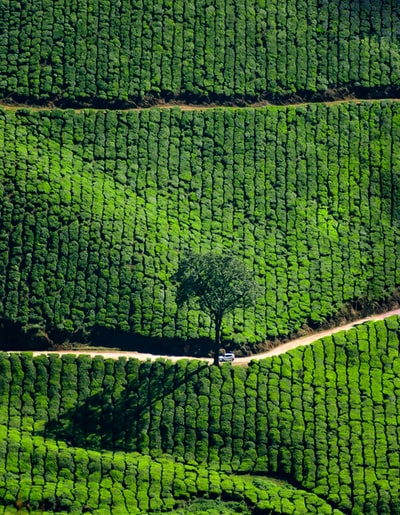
x=305 y=340
x=190 y=107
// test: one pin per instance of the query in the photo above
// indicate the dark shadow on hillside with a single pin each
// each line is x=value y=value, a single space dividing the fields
x=124 y=421
x=15 y=337
x=166 y=98
x=103 y=336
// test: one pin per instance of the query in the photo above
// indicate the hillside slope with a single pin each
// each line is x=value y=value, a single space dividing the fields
x=323 y=417
x=97 y=207
x=106 y=53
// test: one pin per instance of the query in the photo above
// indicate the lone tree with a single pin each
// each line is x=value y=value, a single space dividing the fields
x=219 y=284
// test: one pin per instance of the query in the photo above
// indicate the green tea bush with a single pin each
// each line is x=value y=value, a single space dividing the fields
x=192 y=50
x=324 y=417
x=89 y=243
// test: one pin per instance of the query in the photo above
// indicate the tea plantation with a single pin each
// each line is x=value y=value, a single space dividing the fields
x=134 y=131
x=107 y=52
x=115 y=436
x=97 y=208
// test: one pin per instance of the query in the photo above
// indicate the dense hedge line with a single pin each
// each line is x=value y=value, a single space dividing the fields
x=47 y=477
x=97 y=207
x=325 y=416
x=132 y=49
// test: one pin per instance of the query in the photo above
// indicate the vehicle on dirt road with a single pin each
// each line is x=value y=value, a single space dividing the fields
x=228 y=356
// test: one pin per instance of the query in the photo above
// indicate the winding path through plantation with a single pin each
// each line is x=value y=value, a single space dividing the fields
x=280 y=349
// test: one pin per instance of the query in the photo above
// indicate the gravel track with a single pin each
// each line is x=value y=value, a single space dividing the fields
x=192 y=107
x=285 y=347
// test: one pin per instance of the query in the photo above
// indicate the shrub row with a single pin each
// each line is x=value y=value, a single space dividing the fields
x=97 y=207
x=325 y=416
x=42 y=476
x=86 y=50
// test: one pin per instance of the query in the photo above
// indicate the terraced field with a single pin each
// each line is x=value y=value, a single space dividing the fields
x=139 y=51
x=99 y=201
x=118 y=436
x=97 y=208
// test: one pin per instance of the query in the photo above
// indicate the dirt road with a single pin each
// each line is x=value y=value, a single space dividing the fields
x=193 y=107
x=306 y=340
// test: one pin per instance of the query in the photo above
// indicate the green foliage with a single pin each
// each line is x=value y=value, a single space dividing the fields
x=133 y=50
x=97 y=208
x=220 y=283
x=166 y=436
x=131 y=483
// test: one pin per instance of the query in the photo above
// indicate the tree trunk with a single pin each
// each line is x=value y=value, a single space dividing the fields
x=218 y=321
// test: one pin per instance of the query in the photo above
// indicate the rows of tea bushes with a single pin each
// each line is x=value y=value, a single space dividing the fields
x=195 y=49
x=325 y=416
x=96 y=209
x=44 y=476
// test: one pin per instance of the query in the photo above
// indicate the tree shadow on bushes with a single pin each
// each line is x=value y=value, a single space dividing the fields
x=14 y=336
x=134 y=418
x=107 y=337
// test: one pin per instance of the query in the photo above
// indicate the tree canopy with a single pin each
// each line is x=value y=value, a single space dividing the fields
x=218 y=284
